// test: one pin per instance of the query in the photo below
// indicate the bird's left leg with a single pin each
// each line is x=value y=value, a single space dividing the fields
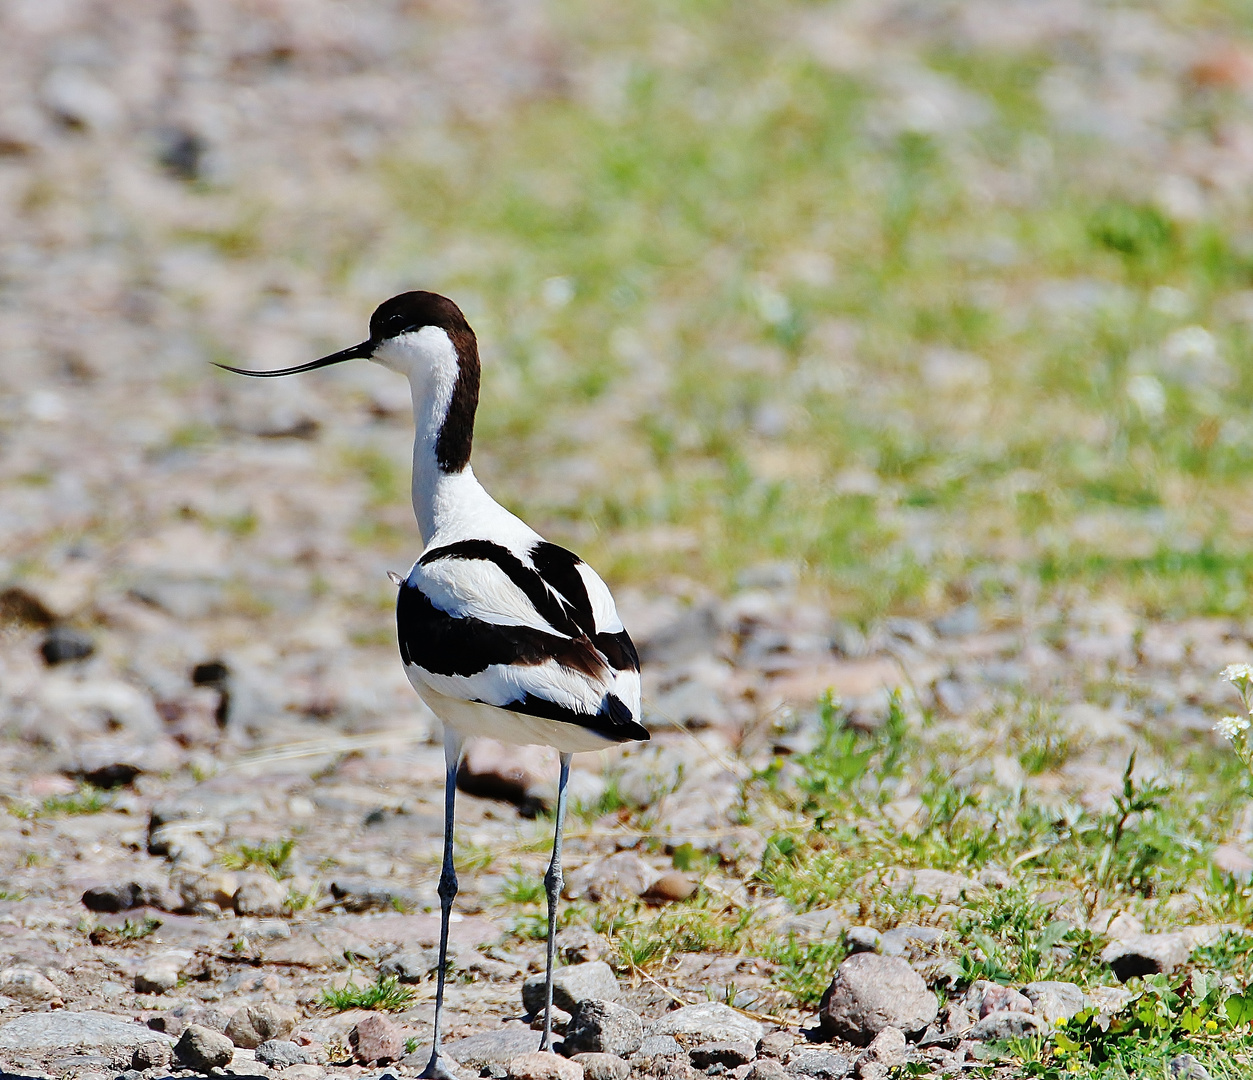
x=436 y=1069
x=552 y=884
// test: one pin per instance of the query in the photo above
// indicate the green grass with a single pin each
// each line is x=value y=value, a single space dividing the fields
x=270 y=856
x=384 y=995
x=86 y=800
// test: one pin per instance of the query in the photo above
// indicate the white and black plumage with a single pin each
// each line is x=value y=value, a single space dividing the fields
x=501 y=633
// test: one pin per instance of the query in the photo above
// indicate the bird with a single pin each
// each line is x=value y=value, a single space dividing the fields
x=502 y=633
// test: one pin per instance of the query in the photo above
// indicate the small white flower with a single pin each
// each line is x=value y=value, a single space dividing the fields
x=1231 y=727
x=1238 y=673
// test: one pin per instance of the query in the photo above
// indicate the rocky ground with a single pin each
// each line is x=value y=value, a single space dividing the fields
x=222 y=801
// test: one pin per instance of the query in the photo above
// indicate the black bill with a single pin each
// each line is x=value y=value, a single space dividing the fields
x=356 y=352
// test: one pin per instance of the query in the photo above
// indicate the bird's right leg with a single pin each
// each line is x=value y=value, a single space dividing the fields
x=435 y=1068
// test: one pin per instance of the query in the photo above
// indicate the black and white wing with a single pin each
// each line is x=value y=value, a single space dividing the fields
x=534 y=632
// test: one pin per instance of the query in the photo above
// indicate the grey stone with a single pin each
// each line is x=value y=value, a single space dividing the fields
x=279 y=1053
x=603 y=1066
x=862 y=939
x=822 y=1064
x=411 y=965
x=29 y=986
x=870 y=993
x=202 y=1048
x=766 y=1069
x=127 y=895
x=728 y=1054
x=1005 y=1025
x=997 y=998
x=152 y=1055
x=912 y=942
x=603 y=1027
x=659 y=1046
x=1186 y=1067
x=710 y=1021
x=260 y=895
x=496 y=1047
x=962 y=621
x=156 y=977
x=885 y=1052
x=776 y=1044
x=254 y=1024
x=376 y=1038
x=366 y=895
x=1053 y=1001
x=572 y=984
x=63 y=644
x=1148 y=954
x=818 y=925
x=559 y=1019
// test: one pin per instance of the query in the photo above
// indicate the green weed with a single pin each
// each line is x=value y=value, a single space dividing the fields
x=384 y=995
x=270 y=856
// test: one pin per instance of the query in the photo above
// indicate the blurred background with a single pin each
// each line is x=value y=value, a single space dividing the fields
x=911 y=307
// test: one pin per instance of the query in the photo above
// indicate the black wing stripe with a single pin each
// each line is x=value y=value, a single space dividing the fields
x=446 y=645
x=619 y=650
x=531 y=584
x=614 y=721
x=559 y=568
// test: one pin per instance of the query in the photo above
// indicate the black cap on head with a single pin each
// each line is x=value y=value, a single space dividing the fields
x=412 y=311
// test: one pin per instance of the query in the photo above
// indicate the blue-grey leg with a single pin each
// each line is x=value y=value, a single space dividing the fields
x=435 y=1068
x=552 y=884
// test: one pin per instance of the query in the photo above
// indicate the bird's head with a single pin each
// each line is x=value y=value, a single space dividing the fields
x=421 y=335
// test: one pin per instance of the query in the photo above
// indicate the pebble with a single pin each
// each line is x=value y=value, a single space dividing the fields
x=766 y=1069
x=156 y=977
x=603 y=1066
x=658 y=1046
x=776 y=1044
x=1053 y=1001
x=252 y=1025
x=1186 y=1067
x=260 y=895
x=1005 y=1025
x=728 y=1054
x=862 y=939
x=63 y=644
x=411 y=965
x=710 y=1021
x=127 y=895
x=29 y=986
x=997 y=998
x=669 y=888
x=544 y=1066
x=618 y=877
x=911 y=942
x=822 y=1064
x=152 y=1055
x=367 y=895
x=376 y=1039
x=1148 y=954
x=885 y=1052
x=279 y=1053
x=872 y=992
x=572 y=984
x=603 y=1027
x=202 y=1048
x=301 y=1072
